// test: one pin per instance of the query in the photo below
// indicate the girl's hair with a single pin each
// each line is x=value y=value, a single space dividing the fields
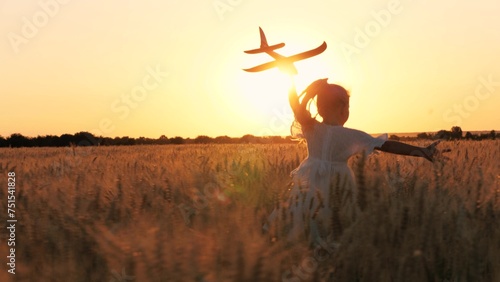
x=329 y=97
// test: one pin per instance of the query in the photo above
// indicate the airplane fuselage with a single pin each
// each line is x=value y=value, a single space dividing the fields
x=284 y=63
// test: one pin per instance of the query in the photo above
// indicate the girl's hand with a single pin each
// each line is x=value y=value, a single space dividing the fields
x=430 y=152
x=314 y=87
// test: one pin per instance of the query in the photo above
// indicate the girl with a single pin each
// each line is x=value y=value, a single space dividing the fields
x=324 y=177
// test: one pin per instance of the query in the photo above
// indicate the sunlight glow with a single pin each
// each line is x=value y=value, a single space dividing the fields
x=264 y=91
x=412 y=72
x=267 y=91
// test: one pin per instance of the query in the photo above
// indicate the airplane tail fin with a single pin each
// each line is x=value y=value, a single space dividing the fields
x=264 y=47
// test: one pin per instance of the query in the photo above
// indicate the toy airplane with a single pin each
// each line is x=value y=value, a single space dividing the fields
x=285 y=64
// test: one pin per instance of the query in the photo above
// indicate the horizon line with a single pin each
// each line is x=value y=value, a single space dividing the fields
x=173 y=136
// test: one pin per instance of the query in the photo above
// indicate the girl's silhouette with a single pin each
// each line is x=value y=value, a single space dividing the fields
x=324 y=175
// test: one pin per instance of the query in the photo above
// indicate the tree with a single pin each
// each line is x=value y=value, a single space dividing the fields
x=223 y=140
x=469 y=135
x=177 y=140
x=85 y=139
x=443 y=134
x=3 y=142
x=247 y=139
x=163 y=140
x=423 y=135
x=124 y=141
x=456 y=132
x=65 y=140
x=493 y=134
x=203 y=139
x=45 y=141
x=18 y=140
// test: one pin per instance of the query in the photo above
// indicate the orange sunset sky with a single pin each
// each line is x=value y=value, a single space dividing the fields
x=153 y=67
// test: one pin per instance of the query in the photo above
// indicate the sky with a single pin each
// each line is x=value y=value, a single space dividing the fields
x=174 y=68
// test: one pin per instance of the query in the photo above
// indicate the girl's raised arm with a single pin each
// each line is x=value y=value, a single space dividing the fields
x=302 y=115
x=299 y=110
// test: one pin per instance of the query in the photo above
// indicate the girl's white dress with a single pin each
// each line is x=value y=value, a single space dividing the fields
x=322 y=179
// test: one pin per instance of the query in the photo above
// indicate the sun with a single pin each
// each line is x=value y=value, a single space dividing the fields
x=264 y=92
x=268 y=90
x=262 y=97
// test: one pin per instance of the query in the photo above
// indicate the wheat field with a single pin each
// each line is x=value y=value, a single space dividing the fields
x=194 y=213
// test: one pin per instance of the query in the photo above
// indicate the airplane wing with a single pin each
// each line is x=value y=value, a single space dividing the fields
x=308 y=54
x=265 y=49
x=263 y=67
x=286 y=62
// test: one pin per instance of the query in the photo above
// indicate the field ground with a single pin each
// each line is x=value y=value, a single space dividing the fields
x=194 y=213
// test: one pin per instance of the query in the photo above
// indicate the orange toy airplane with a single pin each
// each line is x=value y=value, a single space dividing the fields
x=284 y=63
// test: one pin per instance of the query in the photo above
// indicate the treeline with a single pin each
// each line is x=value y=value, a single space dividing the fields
x=455 y=133
x=88 y=139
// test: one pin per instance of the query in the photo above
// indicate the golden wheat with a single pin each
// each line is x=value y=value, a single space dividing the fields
x=194 y=213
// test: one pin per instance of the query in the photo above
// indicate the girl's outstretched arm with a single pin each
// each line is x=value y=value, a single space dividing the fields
x=302 y=115
x=400 y=148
